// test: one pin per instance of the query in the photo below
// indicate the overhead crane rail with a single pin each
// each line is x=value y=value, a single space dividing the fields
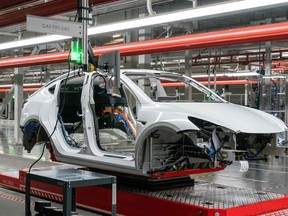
x=238 y=58
x=46 y=9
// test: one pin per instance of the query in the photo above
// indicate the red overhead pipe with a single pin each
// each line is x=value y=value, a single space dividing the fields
x=26 y=87
x=32 y=88
x=253 y=34
x=261 y=33
x=232 y=82
x=219 y=82
x=46 y=9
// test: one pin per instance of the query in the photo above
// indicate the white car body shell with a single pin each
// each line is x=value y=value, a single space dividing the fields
x=43 y=106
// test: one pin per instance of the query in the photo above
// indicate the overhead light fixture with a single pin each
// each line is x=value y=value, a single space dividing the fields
x=116 y=36
x=231 y=74
x=210 y=11
x=33 y=41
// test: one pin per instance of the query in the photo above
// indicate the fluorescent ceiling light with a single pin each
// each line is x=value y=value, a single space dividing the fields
x=33 y=41
x=206 y=12
x=117 y=35
x=210 y=11
x=237 y=74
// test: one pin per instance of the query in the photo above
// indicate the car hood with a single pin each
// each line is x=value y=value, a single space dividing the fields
x=234 y=117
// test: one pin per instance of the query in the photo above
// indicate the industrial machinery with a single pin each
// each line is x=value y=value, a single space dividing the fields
x=273 y=100
x=273 y=95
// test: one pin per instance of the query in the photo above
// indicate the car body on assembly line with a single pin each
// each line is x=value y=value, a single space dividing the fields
x=147 y=127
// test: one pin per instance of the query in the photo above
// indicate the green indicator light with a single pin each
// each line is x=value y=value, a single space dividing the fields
x=76 y=51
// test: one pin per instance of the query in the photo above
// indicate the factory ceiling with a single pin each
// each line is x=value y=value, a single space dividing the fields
x=13 y=26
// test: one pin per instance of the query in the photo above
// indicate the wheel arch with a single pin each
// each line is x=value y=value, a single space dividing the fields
x=170 y=126
x=33 y=133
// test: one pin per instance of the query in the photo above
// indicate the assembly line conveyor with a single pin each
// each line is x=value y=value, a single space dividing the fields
x=203 y=199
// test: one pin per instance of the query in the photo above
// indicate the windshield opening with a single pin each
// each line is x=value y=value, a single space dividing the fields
x=163 y=87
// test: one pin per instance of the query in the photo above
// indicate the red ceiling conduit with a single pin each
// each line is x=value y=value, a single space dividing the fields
x=254 y=34
x=232 y=82
x=32 y=87
x=219 y=82
x=26 y=87
x=46 y=9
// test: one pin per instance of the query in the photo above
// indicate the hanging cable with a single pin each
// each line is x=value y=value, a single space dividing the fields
x=61 y=106
x=149 y=8
x=55 y=126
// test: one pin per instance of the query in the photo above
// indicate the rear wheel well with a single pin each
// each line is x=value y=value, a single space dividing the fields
x=33 y=133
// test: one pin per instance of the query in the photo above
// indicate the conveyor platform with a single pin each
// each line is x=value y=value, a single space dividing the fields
x=204 y=198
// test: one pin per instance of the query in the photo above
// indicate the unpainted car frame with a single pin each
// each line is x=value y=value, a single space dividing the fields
x=146 y=127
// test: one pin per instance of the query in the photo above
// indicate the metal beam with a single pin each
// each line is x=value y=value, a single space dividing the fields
x=8 y=98
x=237 y=58
x=254 y=34
x=188 y=72
x=18 y=102
x=268 y=56
x=9 y=34
x=6 y=5
x=46 y=9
